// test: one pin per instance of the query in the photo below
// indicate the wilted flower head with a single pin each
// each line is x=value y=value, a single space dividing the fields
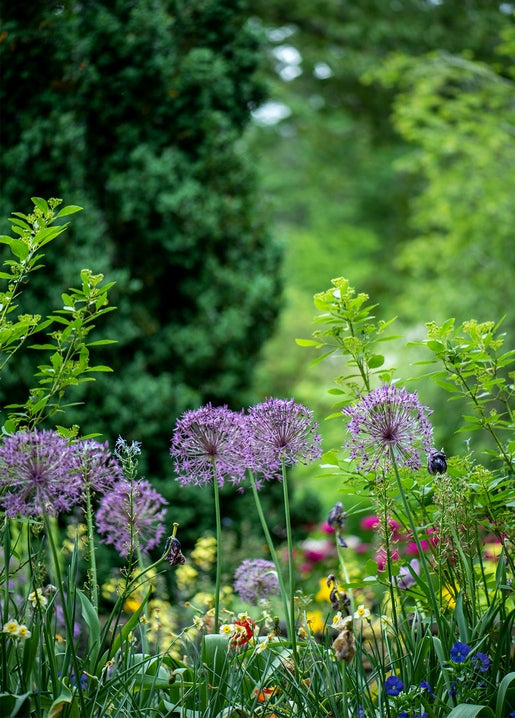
x=255 y=579
x=131 y=515
x=282 y=430
x=436 y=462
x=209 y=442
x=389 y=419
x=39 y=473
x=98 y=468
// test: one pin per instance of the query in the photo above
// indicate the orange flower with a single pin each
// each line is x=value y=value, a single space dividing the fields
x=263 y=694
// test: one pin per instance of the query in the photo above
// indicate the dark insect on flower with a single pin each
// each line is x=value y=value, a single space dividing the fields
x=173 y=553
x=436 y=462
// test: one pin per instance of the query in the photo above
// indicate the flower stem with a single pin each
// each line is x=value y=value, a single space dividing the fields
x=423 y=561
x=291 y=568
x=272 y=550
x=66 y=614
x=218 y=576
x=92 y=572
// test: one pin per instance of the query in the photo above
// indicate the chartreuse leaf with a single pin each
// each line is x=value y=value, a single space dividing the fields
x=64 y=701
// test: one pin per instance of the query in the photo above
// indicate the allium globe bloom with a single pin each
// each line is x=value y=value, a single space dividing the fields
x=255 y=580
x=388 y=421
x=131 y=515
x=38 y=474
x=282 y=431
x=98 y=468
x=209 y=442
x=459 y=652
x=393 y=686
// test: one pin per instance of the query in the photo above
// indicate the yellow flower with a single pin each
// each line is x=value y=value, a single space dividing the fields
x=204 y=553
x=315 y=621
x=131 y=604
x=185 y=576
x=324 y=591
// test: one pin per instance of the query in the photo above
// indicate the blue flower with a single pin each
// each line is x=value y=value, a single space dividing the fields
x=425 y=686
x=393 y=686
x=403 y=715
x=481 y=661
x=459 y=652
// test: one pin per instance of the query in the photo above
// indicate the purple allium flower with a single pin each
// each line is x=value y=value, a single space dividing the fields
x=131 y=515
x=282 y=431
x=393 y=686
x=38 y=473
x=389 y=418
x=459 y=652
x=481 y=661
x=99 y=469
x=256 y=579
x=207 y=442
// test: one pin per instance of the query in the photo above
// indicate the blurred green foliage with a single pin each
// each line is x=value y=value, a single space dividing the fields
x=137 y=112
x=392 y=166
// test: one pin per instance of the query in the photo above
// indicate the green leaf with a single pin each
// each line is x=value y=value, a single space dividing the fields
x=19 y=249
x=90 y=616
x=40 y=203
x=471 y=711
x=14 y=706
x=376 y=360
x=70 y=209
x=506 y=696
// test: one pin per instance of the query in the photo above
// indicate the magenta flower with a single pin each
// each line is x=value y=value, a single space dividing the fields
x=388 y=421
x=38 y=474
x=255 y=580
x=282 y=431
x=98 y=468
x=210 y=442
x=131 y=515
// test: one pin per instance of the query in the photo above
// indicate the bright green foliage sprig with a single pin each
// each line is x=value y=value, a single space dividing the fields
x=476 y=367
x=350 y=329
x=66 y=329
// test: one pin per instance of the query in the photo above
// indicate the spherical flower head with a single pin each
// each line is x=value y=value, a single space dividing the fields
x=255 y=580
x=393 y=686
x=131 y=515
x=282 y=432
x=209 y=442
x=99 y=469
x=38 y=474
x=459 y=652
x=388 y=421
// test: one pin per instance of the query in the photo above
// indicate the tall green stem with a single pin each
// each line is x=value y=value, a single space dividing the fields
x=272 y=550
x=66 y=614
x=218 y=578
x=291 y=568
x=92 y=571
x=422 y=557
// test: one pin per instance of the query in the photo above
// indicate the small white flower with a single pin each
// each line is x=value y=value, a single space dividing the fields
x=38 y=598
x=361 y=612
x=23 y=633
x=12 y=628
